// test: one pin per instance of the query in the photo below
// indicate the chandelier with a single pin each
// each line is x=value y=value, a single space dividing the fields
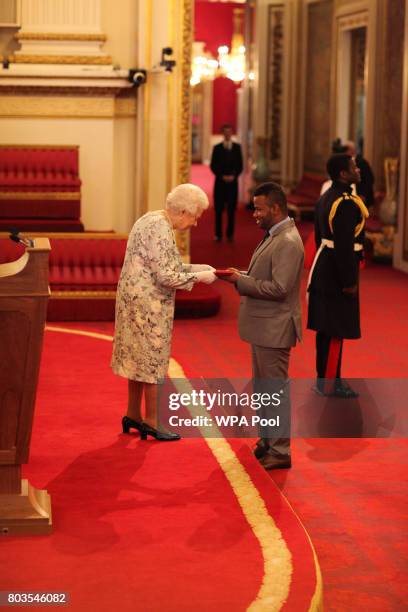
x=230 y=64
x=203 y=66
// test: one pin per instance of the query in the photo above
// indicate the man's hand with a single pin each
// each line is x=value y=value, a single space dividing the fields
x=228 y=178
x=231 y=278
x=350 y=290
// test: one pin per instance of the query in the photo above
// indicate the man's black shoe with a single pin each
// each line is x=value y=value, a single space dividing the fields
x=261 y=448
x=344 y=391
x=274 y=462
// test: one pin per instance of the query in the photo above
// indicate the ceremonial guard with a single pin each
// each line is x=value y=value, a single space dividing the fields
x=334 y=311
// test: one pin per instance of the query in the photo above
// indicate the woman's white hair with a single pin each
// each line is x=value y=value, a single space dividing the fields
x=187 y=197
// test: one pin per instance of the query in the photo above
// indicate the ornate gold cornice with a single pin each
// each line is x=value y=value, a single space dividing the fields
x=40 y=195
x=355 y=20
x=43 y=90
x=100 y=60
x=85 y=106
x=60 y=36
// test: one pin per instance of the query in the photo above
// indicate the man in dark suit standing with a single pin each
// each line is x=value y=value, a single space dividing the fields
x=226 y=164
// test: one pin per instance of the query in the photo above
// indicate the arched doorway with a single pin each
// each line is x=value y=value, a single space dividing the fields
x=222 y=85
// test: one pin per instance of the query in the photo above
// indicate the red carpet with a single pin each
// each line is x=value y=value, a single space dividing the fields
x=349 y=494
x=142 y=525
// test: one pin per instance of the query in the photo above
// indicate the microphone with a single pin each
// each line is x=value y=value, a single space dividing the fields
x=15 y=237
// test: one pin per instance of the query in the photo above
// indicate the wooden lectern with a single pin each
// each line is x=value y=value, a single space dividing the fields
x=24 y=293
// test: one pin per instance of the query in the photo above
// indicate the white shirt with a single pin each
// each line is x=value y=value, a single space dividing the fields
x=273 y=229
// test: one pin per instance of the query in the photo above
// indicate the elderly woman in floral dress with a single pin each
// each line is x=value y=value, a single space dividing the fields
x=151 y=273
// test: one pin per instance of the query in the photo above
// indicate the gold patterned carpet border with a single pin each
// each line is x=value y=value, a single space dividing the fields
x=277 y=558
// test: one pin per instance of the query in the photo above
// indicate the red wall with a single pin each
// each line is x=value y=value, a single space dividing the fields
x=213 y=25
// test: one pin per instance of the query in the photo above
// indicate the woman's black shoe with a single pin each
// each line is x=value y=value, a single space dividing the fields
x=128 y=423
x=163 y=436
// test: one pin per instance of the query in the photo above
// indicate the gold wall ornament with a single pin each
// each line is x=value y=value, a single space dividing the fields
x=60 y=36
x=99 y=60
x=389 y=205
x=126 y=107
x=184 y=136
x=274 y=93
x=185 y=117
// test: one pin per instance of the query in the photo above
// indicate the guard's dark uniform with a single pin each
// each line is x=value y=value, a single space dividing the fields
x=339 y=220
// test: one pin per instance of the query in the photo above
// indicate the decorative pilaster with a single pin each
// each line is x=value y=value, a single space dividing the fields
x=274 y=99
x=183 y=137
x=401 y=238
x=278 y=60
x=166 y=96
x=184 y=127
x=292 y=158
x=61 y=32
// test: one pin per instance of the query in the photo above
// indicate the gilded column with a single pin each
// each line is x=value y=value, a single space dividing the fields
x=166 y=103
x=183 y=138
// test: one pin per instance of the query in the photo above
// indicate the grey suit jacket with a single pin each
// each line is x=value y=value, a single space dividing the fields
x=270 y=313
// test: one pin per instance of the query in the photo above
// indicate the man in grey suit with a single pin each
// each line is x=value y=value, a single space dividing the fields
x=270 y=313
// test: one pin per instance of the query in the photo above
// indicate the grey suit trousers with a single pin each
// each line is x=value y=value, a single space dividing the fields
x=272 y=364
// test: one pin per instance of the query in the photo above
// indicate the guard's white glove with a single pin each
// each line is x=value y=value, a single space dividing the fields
x=201 y=268
x=205 y=276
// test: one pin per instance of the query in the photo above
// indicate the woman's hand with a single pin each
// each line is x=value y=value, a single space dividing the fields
x=205 y=276
x=201 y=268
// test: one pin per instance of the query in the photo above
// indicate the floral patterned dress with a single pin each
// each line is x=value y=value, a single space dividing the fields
x=151 y=273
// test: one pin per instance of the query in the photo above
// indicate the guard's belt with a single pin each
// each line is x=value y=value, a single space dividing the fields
x=330 y=244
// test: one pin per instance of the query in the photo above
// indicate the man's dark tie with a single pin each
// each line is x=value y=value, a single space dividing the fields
x=267 y=235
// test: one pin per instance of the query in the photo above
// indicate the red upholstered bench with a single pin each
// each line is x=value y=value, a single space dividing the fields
x=84 y=272
x=40 y=188
x=304 y=196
